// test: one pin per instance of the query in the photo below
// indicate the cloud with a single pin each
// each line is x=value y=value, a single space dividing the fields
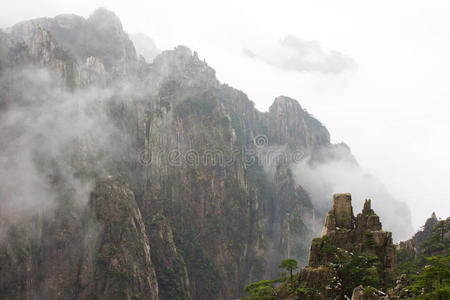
x=292 y=53
x=49 y=137
x=249 y=53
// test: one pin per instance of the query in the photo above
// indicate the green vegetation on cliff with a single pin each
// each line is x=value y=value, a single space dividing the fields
x=352 y=252
x=428 y=267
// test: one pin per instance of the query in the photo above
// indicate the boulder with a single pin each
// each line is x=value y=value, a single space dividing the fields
x=368 y=293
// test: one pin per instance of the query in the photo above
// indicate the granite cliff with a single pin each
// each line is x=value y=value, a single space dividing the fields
x=133 y=180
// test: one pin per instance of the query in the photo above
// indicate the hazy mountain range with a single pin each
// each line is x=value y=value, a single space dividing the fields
x=127 y=173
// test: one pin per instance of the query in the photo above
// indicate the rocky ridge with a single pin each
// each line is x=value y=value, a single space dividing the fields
x=361 y=234
x=209 y=227
x=198 y=228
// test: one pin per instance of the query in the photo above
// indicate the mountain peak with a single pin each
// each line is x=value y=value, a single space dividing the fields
x=100 y=35
x=68 y=21
x=286 y=102
x=102 y=13
x=184 y=64
x=291 y=124
x=104 y=17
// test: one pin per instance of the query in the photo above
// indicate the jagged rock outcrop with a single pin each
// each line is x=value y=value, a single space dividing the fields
x=340 y=216
x=43 y=47
x=184 y=67
x=407 y=247
x=422 y=235
x=361 y=293
x=360 y=234
x=411 y=247
x=349 y=259
x=345 y=238
x=93 y=72
x=423 y=259
x=400 y=289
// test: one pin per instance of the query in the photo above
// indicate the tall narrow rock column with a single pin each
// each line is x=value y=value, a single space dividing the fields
x=340 y=215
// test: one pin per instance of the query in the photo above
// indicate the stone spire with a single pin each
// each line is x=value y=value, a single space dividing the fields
x=340 y=215
x=362 y=234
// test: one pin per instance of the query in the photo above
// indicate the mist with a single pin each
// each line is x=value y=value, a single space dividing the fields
x=92 y=201
x=53 y=142
x=343 y=176
x=405 y=89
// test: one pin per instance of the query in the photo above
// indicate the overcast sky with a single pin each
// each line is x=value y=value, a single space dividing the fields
x=376 y=73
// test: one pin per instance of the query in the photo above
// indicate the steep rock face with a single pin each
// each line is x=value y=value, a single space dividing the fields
x=245 y=119
x=170 y=267
x=293 y=212
x=216 y=209
x=93 y=72
x=104 y=38
x=5 y=46
x=341 y=214
x=201 y=198
x=411 y=248
x=184 y=67
x=424 y=234
x=99 y=252
x=408 y=247
x=101 y=35
x=190 y=118
x=177 y=133
x=205 y=198
x=40 y=258
x=44 y=47
x=123 y=269
x=289 y=124
x=291 y=218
